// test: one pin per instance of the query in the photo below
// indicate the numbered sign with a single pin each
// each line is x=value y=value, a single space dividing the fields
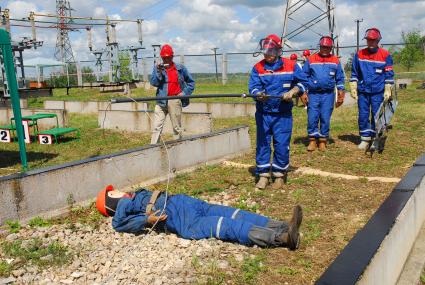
x=26 y=128
x=45 y=139
x=5 y=136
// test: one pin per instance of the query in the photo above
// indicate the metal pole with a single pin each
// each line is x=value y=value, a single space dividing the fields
x=215 y=59
x=12 y=85
x=358 y=32
x=201 y=96
x=67 y=75
x=224 y=69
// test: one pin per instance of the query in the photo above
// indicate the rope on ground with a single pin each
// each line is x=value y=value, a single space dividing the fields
x=312 y=171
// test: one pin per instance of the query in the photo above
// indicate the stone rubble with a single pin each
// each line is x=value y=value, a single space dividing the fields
x=103 y=256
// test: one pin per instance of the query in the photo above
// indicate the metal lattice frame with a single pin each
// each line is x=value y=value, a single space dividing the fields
x=325 y=11
x=63 y=50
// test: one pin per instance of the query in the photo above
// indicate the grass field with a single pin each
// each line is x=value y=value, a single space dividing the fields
x=334 y=208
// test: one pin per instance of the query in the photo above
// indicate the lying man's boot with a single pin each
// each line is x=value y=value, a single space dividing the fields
x=322 y=144
x=312 y=146
x=263 y=181
x=292 y=238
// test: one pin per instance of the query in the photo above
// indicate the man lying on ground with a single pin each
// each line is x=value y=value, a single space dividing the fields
x=192 y=218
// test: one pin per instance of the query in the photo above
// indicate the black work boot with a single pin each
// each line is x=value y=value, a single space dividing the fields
x=292 y=237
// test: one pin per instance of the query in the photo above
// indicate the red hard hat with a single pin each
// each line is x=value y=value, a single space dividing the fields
x=275 y=38
x=293 y=56
x=101 y=200
x=306 y=52
x=166 y=51
x=373 y=34
x=326 y=41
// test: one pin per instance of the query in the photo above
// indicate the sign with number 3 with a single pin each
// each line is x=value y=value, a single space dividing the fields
x=45 y=139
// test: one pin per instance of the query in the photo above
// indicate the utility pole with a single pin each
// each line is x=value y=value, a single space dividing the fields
x=358 y=21
x=215 y=59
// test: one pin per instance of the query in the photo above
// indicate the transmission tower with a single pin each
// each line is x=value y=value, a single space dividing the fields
x=63 y=50
x=320 y=11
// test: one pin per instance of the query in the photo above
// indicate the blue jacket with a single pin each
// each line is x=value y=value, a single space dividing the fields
x=372 y=70
x=130 y=214
x=187 y=84
x=275 y=79
x=324 y=73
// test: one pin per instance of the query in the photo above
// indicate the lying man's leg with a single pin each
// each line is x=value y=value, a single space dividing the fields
x=278 y=233
x=245 y=232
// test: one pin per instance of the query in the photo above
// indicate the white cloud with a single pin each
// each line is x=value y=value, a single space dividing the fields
x=194 y=27
x=21 y=9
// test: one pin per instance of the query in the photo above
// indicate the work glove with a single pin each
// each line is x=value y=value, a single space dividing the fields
x=353 y=90
x=340 y=98
x=287 y=96
x=388 y=92
x=262 y=97
x=153 y=218
x=304 y=98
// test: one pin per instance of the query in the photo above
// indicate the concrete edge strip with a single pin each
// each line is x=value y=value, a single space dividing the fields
x=116 y=154
x=385 y=240
x=20 y=195
x=312 y=171
x=414 y=264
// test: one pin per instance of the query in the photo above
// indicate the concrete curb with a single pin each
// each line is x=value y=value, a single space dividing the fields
x=90 y=107
x=142 y=121
x=312 y=171
x=47 y=191
x=378 y=252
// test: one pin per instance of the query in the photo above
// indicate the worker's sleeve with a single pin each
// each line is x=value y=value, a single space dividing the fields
x=156 y=79
x=300 y=78
x=190 y=83
x=355 y=69
x=389 y=72
x=255 y=86
x=340 y=77
x=307 y=73
x=134 y=223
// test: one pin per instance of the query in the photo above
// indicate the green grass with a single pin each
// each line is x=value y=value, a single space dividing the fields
x=5 y=269
x=36 y=252
x=38 y=222
x=250 y=269
x=13 y=226
x=93 y=142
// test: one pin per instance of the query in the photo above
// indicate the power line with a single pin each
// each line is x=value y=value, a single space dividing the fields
x=161 y=9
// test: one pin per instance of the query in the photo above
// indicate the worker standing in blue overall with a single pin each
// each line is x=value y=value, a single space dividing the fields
x=372 y=80
x=191 y=218
x=272 y=77
x=324 y=73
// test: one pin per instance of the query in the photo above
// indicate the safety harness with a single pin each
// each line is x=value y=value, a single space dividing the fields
x=152 y=201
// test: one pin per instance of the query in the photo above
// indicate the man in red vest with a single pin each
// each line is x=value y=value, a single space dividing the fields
x=171 y=79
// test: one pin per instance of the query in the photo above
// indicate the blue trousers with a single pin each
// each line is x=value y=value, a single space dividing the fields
x=196 y=219
x=319 y=111
x=368 y=106
x=276 y=126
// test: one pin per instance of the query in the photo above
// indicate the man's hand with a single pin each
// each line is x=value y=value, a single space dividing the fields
x=287 y=96
x=262 y=97
x=353 y=90
x=153 y=218
x=304 y=98
x=340 y=98
x=159 y=68
x=387 y=92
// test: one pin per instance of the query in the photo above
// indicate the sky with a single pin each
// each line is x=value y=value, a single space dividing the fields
x=196 y=26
